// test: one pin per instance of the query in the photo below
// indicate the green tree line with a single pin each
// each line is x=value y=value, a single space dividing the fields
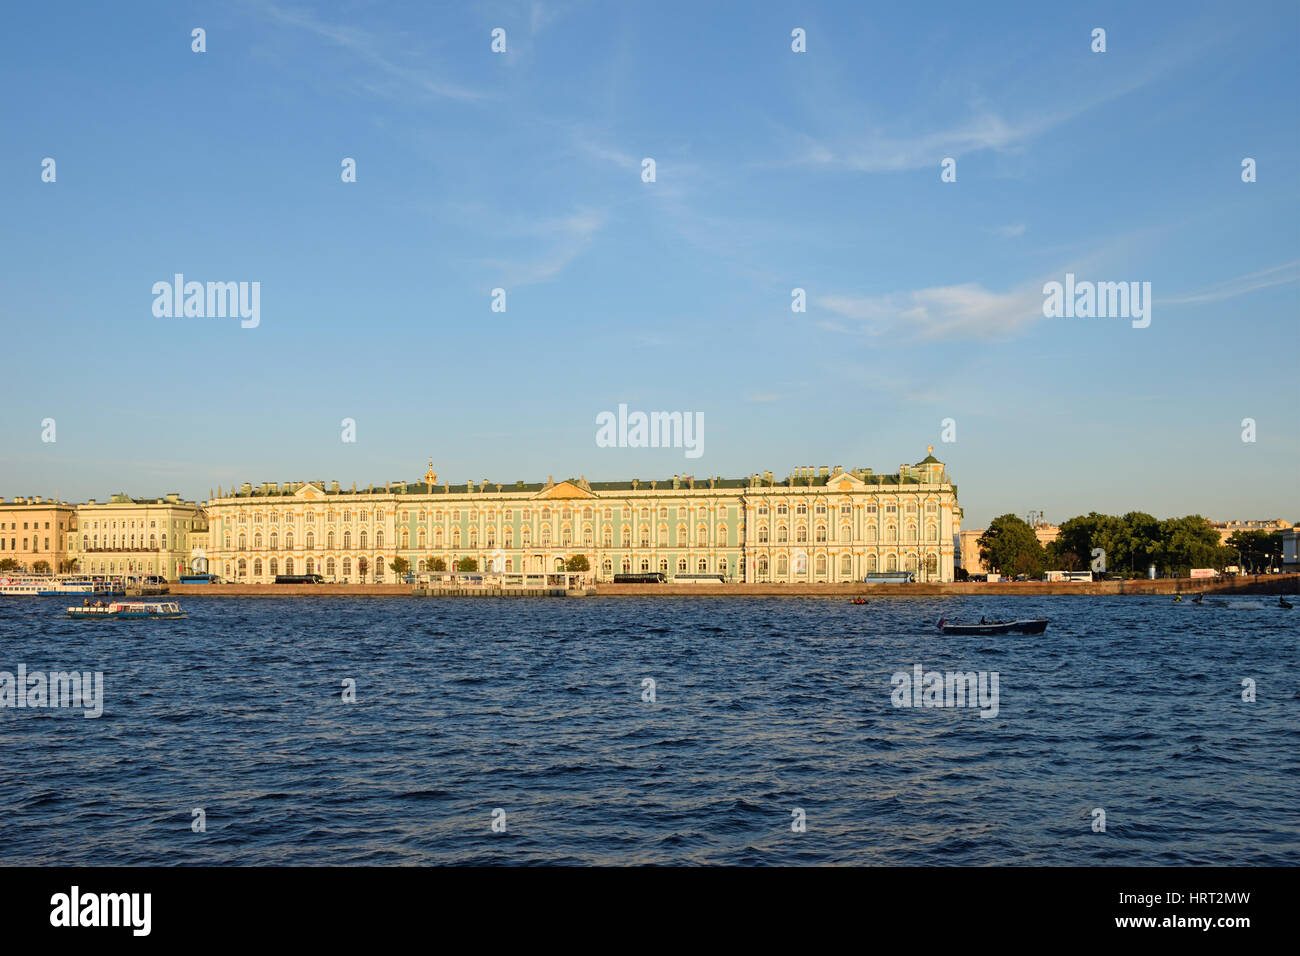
x=1129 y=543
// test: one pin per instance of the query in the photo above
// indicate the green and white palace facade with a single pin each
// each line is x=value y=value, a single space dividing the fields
x=817 y=524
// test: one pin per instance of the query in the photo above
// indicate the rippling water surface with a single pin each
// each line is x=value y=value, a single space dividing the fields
x=1132 y=705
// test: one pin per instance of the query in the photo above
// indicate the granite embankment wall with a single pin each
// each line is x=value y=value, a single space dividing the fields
x=1261 y=584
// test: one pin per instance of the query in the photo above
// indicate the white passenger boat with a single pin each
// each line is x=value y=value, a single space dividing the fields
x=150 y=610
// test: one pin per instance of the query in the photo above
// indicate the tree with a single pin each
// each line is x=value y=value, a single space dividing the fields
x=577 y=562
x=41 y=567
x=1187 y=543
x=67 y=565
x=363 y=565
x=467 y=564
x=8 y=564
x=1259 y=549
x=1011 y=547
x=435 y=564
x=400 y=566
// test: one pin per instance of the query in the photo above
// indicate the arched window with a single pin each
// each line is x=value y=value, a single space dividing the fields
x=257 y=541
x=703 y=565
x=379 y=538
x=329 y=540
x=891 y=562
x=275 y=541
x=274 y=566
x=871 y=563
x=782 y=566
x=846 y=566
x=257 y=567
x=762 y=534
x=311 y=542
x=362 y=538
x=329 y=567
x=288 y=542
x=288 y=565
x=681 y=565
x=820 y=569
x=347 y=568
x=931 y=533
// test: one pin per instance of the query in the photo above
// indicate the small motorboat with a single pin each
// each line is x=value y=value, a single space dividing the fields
x=1032 y=626
x=1283 y=602
x=858 y=601
x=122 y=610
x=1199 y=599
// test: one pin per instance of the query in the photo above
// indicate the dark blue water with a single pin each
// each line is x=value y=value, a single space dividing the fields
x=1132 y=705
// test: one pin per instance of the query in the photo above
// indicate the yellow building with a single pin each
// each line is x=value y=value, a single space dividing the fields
x=33 y=532
x=816 y=524
x=141 y=536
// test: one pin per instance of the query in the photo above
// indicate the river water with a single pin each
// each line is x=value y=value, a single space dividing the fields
x=772 y=736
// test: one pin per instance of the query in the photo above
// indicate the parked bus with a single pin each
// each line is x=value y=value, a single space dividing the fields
x=699 y=579
x=188 y=578
x=644 y=577
x=1067 y=576
x=890 y=577
x=299 y=579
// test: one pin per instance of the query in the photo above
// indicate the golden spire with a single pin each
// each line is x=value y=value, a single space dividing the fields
x=929 y=449
x=429 y=476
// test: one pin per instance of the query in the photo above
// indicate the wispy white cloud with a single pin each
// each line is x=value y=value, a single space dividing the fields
x=569 y=237
x=1284 y=274
x=941 y=311
x=1009 y=231
x=371 y=49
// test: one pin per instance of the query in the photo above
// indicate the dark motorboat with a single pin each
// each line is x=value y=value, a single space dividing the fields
x=1283 y=602
x=1034 y=626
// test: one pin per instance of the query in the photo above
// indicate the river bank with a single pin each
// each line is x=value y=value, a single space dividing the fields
x=1241 y=584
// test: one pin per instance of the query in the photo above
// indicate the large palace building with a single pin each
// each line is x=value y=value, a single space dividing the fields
x=817 y=524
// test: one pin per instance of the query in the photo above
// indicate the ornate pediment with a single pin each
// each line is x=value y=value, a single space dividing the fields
x=310 y=492
x=565 y=489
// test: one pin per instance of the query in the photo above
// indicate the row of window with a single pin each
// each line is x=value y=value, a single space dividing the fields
x=90 y=542
x=846 y=534
x=587 y=514
x=13 y=544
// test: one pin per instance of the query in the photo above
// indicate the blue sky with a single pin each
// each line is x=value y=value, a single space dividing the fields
x=775 y=170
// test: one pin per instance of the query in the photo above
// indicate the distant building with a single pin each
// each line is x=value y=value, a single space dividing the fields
x=816 y=524
x=1226 y=529
x=968 y=551
x=1290 y=558
x=33 y=532
x=968 y=545
x=126 y=535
